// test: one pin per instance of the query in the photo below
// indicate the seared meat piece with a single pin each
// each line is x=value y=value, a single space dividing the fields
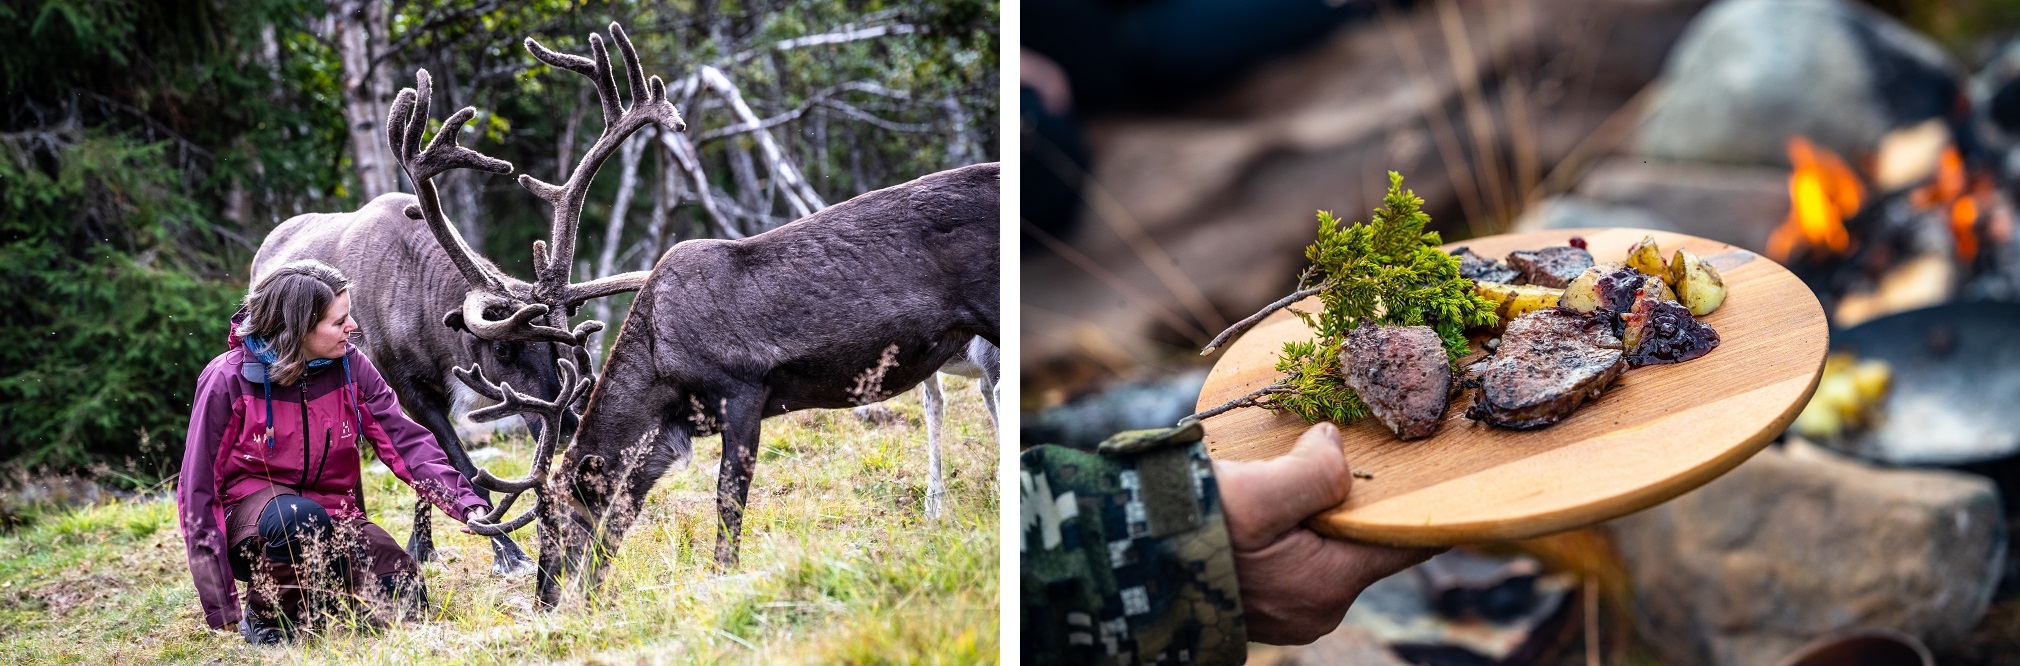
x=1482 y=269
x=1550 y=362
x=1402 y=373
x=1551 y=267
x=1659 y=332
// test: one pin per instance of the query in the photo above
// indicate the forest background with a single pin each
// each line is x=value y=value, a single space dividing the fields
x=146 y=148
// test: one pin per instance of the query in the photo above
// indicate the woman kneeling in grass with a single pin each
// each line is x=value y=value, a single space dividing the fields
x=270 y=490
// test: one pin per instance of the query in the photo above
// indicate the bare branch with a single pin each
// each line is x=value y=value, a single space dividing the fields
x=685 y=153
x=816 y=99
x=800 y=195
x=1249 y=322
x=1253 y=399
x=865 y=116
x=846 y=34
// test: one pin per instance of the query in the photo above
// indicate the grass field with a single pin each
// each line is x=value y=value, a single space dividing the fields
x=839 y=566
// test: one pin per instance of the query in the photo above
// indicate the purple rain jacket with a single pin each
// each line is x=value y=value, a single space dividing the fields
x=313 y=451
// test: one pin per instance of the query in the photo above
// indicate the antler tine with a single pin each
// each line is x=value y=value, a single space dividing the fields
x=474 y=378
x=518 y=327
x=487 y=528
x=634 y=73
x=405 y=122
x=605 y=286
x=490 y=482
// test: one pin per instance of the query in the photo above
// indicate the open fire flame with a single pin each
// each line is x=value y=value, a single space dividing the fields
x=1824 y=192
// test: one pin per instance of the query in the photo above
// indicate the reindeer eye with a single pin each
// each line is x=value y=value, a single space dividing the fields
x=505 y=351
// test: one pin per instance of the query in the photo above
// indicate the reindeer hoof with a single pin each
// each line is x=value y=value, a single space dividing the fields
x=508 y=560
x=509 y=567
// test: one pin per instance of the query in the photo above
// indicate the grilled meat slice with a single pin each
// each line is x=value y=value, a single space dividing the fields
x=1550 y=362
x=1552 y=267
x=1482 y=269
x=1402 y=373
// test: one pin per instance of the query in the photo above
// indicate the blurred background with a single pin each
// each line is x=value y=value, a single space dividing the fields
x=146 y=148
x=1175 y=152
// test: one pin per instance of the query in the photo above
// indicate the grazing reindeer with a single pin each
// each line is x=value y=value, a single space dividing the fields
x=982 y=361
x=412 y=266
x=845 y=307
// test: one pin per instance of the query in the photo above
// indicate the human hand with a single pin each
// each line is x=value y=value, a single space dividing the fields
x=1295 y=583
x=474 y=512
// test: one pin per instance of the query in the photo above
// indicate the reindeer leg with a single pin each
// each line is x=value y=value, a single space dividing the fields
x=421 y=543
x=506 y=557
x=739 y=460
x=935 y=403
x=989 y=388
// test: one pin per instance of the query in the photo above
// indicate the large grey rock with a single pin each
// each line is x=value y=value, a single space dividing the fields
x=1573 y=212
x=1748 y=74
x=1798 y=543
x=1740 y=205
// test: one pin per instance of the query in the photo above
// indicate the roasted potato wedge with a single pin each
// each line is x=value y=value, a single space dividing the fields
x=1646 y=256
x=1583 y=292
x=1698 y=285
x=1513 y=300
x=1611 y=286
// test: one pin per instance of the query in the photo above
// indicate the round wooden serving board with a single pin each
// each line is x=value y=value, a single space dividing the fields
x=1658 y=432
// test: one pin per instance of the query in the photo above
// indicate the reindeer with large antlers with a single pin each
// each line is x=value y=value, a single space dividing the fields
x=848 y=306
x=412 y=266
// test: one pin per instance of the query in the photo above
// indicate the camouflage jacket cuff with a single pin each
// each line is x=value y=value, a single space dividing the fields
x=1125 y=554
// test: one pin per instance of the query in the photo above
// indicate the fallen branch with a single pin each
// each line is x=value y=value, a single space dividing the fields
x=1245 y=324
x=1253 y=399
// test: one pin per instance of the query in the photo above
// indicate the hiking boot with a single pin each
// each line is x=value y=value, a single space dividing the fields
x=261 y=632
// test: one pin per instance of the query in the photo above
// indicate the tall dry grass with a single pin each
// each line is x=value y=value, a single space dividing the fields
x=839 y=566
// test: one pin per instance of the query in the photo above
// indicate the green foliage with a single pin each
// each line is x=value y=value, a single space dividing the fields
x=1317 y=388
x=146 y=147
x=1387 y=271
x=108 y=325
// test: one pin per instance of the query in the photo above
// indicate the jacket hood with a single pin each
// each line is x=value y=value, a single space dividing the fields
x=231 y=336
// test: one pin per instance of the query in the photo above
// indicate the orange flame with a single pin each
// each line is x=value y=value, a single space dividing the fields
x=1823 y=192
x=1955 y=189
x=1962 y=216
x=1949 y=183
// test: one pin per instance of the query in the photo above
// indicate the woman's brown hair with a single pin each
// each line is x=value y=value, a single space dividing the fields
x=285 y=306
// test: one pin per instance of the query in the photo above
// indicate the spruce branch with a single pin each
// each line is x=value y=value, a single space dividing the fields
x=1387 y=271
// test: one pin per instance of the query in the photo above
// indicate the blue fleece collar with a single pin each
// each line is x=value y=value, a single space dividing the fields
x=265 y=352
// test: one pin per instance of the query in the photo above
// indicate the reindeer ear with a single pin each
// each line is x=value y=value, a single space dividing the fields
x=455 y=320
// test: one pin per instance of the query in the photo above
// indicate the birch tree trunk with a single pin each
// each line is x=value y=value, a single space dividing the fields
x=361 y=39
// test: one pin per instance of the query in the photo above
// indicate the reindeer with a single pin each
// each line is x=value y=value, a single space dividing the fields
x=412 y=266
x=848 y=306
x=845 y=307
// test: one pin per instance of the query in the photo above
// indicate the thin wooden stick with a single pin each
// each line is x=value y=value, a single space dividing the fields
x=1245 y=324
x=1249 y=400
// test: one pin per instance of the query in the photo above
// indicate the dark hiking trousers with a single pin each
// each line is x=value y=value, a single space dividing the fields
x=300 y=554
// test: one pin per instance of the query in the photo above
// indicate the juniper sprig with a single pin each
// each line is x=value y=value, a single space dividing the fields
x=1388 y=271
